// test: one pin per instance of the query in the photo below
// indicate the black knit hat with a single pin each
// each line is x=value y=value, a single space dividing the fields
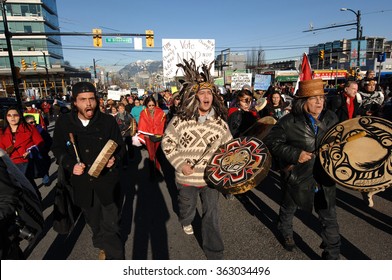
x=81 y=87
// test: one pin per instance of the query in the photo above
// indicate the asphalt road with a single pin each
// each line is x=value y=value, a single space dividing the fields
x=248 y=223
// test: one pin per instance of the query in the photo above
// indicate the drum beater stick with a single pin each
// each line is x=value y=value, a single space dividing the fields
x=202 y=155
x=327 y=147
x=348 y=139
x=72 y=139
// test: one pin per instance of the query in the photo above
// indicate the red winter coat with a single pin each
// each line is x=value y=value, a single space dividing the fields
x=151 y=125
x=45 y=106
x=25 y=138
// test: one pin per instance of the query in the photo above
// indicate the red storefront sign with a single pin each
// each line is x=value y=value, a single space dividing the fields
x=329 y=74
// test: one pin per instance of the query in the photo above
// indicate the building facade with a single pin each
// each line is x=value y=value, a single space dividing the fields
x=39 y=57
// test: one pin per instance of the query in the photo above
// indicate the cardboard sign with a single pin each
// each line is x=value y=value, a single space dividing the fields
x=175 y=50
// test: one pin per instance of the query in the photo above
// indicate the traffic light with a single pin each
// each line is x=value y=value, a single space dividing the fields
x=149 y=38
x=34 y=65
x=24 y=65
x=97 y=38
x=321 y=55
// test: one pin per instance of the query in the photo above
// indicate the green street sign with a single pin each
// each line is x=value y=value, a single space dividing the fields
x=118 y=40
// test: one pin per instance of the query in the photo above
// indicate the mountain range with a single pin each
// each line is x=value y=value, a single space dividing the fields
x=147 y=67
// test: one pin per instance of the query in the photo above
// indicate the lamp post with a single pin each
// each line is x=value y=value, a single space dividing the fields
x=95 y=69
x=47 y=73
x=95 y=66
x=359 y=33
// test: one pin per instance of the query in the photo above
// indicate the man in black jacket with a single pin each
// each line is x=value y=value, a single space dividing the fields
x=99 y=198
x=294 y=141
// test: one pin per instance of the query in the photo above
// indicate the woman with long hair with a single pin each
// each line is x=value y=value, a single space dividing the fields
x=242 y=115
x=276 y=107
x=21 y=141
x=151 y=127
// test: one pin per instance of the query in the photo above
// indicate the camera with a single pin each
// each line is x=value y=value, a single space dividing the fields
x=24 y=231
x=19 y=230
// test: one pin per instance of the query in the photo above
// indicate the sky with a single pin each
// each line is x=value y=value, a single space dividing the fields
x=277 y=27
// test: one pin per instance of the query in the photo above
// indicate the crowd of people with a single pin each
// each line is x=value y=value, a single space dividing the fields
x=188 y=126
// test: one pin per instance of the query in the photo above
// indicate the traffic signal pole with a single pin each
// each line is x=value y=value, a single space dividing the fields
x=11 y=56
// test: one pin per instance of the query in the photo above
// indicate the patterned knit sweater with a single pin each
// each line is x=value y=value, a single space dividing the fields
x=186 y=141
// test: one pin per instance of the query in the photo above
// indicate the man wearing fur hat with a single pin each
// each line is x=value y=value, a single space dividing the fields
x=190 y=139
x=294 y=142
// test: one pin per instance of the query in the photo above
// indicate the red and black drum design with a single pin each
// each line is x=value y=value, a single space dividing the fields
x=356 y=153
x=239 y=165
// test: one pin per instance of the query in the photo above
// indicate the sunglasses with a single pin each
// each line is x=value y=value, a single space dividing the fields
x=12 y=115
x=32 y=122
x=246 y=100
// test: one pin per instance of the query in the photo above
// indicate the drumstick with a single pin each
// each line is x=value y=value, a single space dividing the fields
x=72 y=139
x=349 y=139
x=327 y=147
x=202 y=155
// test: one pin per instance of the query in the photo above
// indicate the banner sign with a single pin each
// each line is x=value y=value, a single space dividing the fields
x=116 y=94
x=238 y=80
x=329 y=74
x=262 y=82
x=354 y=53
x=175 y=50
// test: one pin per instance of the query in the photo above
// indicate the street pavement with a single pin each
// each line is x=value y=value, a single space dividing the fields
x=151 y=229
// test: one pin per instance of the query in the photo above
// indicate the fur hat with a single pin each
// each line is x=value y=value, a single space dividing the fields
x=193 y=81
x=310 y=88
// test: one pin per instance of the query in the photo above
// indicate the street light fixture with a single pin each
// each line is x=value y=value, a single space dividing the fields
x=359 y=31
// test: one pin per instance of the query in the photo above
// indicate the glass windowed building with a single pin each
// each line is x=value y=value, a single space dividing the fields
x=31 y=16
x=39 y=57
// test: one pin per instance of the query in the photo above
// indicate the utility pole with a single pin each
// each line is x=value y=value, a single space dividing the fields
x=95 y=69
x=359 y=32
x=47 y=73
x=11 y=56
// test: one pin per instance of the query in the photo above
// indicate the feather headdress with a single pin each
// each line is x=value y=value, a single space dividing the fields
x=193 y=81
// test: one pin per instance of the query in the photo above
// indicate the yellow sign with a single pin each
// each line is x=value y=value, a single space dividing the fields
x=36 y=116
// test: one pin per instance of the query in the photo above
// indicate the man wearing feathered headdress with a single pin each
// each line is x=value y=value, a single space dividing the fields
x=190 y=139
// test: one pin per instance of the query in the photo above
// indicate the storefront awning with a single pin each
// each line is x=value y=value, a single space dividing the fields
x=286 y=78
